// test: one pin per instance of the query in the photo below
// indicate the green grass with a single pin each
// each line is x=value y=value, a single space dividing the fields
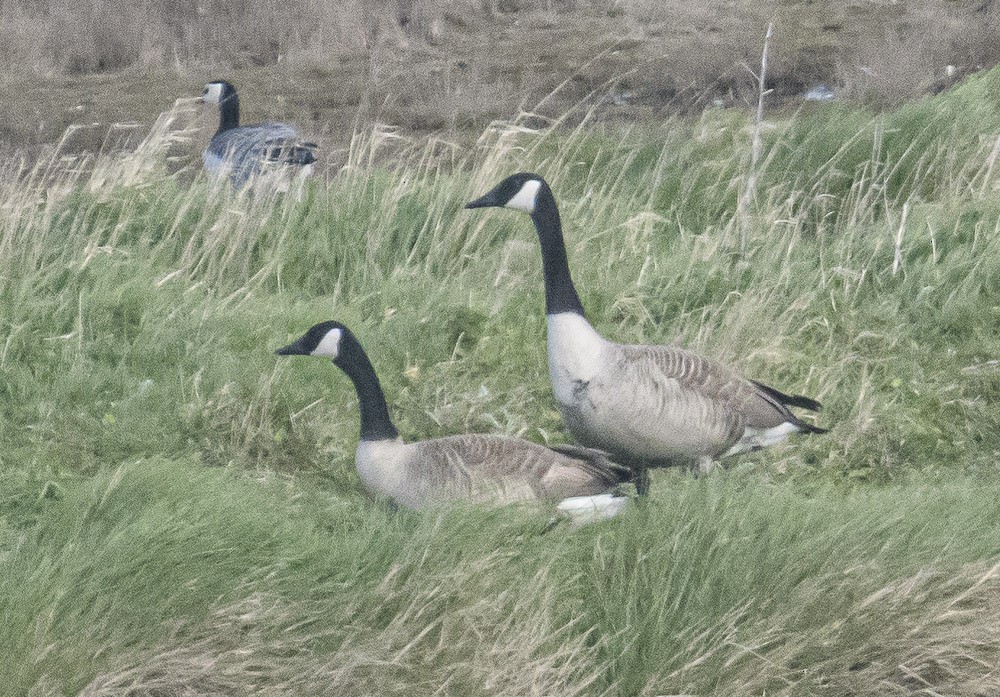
x=179 y=512
x=165 y=575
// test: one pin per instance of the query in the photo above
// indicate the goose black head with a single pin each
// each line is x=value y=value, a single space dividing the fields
x=518 y=191
x=323 y=340
x=217 y=92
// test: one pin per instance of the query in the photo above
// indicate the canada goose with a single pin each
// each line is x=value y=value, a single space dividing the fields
x=247 y=151
x=649 y=406
x=472 y=466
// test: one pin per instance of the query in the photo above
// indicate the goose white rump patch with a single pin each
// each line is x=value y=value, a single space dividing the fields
x=761 y=438
x=589 y=509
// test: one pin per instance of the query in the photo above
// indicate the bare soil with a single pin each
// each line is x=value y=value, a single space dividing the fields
x=451 y=68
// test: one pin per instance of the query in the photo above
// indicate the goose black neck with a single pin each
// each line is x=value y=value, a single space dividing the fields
x=560 y=293
x=375 y=421
x=229 y=113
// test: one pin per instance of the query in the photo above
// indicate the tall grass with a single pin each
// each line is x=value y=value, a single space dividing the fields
x=180 y=511
x=165 y=577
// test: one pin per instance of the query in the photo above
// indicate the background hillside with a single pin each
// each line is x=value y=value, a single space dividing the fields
x=427 y=65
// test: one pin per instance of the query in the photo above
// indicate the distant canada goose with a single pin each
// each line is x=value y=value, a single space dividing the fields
x=473 y=466
x=649 y=406
x=245 y=152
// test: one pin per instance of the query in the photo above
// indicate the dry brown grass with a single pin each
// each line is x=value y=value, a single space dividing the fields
x=430 y=65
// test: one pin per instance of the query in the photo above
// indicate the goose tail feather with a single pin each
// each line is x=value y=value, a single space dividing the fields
x=809 y=428
x=597 y=462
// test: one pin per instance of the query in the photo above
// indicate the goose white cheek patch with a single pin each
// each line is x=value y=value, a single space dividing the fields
x=213 y=93
x=524 y=200
x=329 y=346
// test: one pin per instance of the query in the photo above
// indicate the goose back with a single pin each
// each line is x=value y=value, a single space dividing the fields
x=248 y=151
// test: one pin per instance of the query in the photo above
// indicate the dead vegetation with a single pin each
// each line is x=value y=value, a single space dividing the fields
x=430 y=65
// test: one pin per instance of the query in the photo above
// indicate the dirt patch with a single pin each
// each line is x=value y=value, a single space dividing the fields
x=426 y=66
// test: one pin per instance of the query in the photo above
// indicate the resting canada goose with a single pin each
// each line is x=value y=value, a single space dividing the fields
x=649 y=406
x=247 y=151
x=472 y=466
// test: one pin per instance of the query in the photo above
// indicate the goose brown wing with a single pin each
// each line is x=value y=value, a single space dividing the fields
x=509 y=469
x=753 y=404
x=687 y=369
x=687 y=403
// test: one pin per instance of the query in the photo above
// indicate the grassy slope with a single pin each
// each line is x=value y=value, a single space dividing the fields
x=139 y=317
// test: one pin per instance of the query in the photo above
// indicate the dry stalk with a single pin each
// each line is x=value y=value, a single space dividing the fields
x=897 y=256
x=750 y=186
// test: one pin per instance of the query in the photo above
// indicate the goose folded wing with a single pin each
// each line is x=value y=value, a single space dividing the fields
x=683 y=377
x=673 y=371
x=478 y=467
x=591 y=465
x=288 y=151
x=486 y=467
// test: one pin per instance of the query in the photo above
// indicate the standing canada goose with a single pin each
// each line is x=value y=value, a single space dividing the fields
x=247 y=151
x=649 y=406
x=473 y=466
